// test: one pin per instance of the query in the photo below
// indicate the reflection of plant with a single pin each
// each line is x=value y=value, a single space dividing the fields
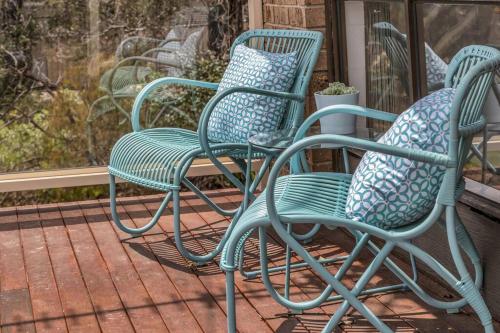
x=227 y=23
x=17 y=77
x=26 y=144
x=47 y=139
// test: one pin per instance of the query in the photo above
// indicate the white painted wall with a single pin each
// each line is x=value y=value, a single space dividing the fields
x=355 y=38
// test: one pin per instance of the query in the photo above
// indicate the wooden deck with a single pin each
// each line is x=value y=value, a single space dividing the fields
x=66 y=267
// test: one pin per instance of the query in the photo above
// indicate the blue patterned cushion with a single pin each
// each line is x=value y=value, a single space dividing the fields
x=388 y=191
x=241 y=115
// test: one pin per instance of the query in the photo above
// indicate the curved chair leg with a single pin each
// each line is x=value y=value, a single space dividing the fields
x=307 y=237
x=288 y=259
x=414 y=269
x=466 y=286
x=206 y=199
x=467 y=245
x=173 y=196
x=116 y=218
x=253 y=274
x=360 y=284
x=470 y=292
x=230 y=302
x=334 y=282
x=196 y=258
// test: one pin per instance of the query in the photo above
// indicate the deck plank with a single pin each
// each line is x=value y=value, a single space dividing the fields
x=110 y=312
x=16 y=314
x=249 y=320
x=46 y=304
x=138 y=304
x=12 y=270
x=168 y=301
x=75 y=300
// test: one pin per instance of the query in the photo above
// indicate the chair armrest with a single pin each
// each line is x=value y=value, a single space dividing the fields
x=166 y=81
x=349 y=109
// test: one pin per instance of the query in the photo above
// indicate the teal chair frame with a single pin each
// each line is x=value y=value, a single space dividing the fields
x=160 y=158
x=471 y=72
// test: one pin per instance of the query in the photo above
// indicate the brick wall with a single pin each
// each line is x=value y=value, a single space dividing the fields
x=299 y=14
x=303 y=14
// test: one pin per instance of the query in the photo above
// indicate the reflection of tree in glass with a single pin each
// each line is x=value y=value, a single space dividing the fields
x=449 y=27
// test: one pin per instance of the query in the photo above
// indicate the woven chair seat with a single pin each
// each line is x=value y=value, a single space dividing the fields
x=150 y=157
x=312 y=194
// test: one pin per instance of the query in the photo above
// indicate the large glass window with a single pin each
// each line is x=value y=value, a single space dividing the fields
x=398 y=51
x=70 y=70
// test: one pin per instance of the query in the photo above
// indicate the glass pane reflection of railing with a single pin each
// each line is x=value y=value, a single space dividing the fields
x=70 y=70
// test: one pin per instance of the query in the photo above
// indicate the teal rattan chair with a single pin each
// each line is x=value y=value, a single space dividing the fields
x=305 y=197
x=159 y=158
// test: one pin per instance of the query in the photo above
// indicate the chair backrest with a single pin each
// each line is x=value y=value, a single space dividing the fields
x=464 y=60
x=471 y=73
x=307 y=44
